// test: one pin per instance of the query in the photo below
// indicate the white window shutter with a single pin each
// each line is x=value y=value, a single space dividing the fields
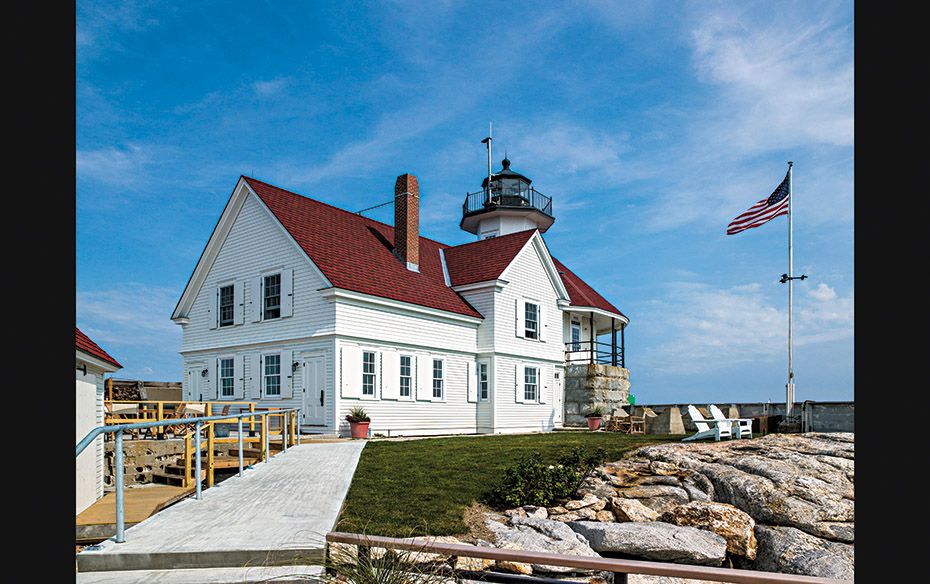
x=255 y=376
x=213 y=309
x=518 y=383
x=287 y=292
x=540 y=323
x=351 y=371
x=214 y=379
x=238 y=305
x=521 y=317
x=471 y=378
x=287 y=374
x=256 y=299
x=544 y=384
x=424 y=378
x=390 y=375
x=238 y=381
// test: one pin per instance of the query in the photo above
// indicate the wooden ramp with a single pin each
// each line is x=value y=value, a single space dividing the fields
x=276 y=514
x=98 y=522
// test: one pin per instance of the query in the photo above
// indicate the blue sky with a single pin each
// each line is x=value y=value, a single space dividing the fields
x=651 y=124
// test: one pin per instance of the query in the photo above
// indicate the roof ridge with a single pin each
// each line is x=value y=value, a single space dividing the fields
x=340 y=209
x=498 y=238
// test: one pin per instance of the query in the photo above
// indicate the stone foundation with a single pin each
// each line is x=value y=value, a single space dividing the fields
x=590 y=385
x=143 y=457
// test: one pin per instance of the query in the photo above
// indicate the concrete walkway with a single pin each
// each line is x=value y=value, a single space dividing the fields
x=276 y=514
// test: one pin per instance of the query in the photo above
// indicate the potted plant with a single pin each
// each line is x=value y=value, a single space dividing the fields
x=595 y=415
x=358 y=421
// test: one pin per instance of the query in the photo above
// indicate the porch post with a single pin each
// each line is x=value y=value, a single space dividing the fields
x=622 y=347
x=613 y=341
x=591 y=336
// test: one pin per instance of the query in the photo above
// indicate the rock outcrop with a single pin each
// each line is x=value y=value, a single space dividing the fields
x=655 y=541
x=790 y=550
x=725 y=520
x=541 y=535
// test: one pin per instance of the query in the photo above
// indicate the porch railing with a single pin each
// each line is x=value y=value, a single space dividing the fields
x=289 y=434
x=593 y=352
x=131 y=411
x=528 y=197
x=620 y=568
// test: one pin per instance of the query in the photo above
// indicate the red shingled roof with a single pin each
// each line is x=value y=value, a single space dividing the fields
x=357 y=253
x=86 y=345
x=484 y=260
x=582 y=294
x=364 y=261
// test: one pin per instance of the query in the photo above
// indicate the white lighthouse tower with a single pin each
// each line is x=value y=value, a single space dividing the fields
x=505 y=204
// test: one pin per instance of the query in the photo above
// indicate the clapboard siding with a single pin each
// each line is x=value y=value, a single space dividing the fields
x=510 y=416
x=527 y=278
x=393 y=417
x=381 y=325
x=251 y=373
x=483 y=301
x=256 y=244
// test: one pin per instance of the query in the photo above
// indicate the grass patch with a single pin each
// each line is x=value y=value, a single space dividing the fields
x=422 y=487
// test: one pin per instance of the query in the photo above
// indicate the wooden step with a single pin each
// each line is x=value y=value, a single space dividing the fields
x=173 y=479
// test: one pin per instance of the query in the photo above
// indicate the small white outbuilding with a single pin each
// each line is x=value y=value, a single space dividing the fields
x=92 y=363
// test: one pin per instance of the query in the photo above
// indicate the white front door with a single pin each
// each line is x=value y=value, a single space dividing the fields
x=558 y=396
x=193 y=383
x=314 y=402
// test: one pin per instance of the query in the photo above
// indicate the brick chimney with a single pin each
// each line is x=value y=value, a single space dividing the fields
x=407 y=221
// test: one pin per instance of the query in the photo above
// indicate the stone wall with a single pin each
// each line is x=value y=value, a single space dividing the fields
x=815 y=416
x=143 y=457
x=592 y=385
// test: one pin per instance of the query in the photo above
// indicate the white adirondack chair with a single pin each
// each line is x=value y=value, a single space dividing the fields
x=743 y=425
x=707 y=428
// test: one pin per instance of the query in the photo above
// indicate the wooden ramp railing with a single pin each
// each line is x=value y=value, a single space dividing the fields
x=619 y=568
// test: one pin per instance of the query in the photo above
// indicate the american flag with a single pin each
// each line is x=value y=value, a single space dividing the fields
x=763 y=211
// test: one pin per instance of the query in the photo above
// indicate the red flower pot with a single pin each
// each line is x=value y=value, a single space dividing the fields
x=359 y=429
x=594 y=423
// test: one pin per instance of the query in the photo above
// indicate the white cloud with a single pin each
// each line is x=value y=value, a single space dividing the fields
x=701 y=328
x=822 y=293
x=122 y=167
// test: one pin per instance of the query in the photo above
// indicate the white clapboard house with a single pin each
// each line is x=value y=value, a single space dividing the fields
x=296 y=303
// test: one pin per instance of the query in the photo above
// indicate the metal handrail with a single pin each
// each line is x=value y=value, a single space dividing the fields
x=118 y=430
x=619 y=567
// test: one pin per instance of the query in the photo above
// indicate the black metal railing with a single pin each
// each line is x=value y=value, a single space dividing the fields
x=593 y=352
x=506 y=197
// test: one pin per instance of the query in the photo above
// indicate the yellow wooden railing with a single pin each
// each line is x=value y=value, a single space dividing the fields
x=283 y=425
x=270 y=427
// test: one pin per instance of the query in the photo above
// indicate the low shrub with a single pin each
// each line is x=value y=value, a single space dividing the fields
x=534 y=482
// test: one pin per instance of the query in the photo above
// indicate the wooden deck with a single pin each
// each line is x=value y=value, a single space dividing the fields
x=98 y=522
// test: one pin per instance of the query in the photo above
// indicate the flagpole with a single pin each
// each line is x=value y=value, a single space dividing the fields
x=789 y=388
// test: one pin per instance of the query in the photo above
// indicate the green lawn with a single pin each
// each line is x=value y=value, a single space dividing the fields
x=419 y=487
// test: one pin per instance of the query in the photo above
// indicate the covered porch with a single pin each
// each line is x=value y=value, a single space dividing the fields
x=593 y=335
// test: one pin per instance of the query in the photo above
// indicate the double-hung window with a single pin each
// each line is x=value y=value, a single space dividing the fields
x=483 y=383
x=530 y=384
x=226 y=377
x=272 y=375
x=531 y=321
x=226 y=299
x=437 y=379
x=271 y=297
x=405 y=375
x=368 y=373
